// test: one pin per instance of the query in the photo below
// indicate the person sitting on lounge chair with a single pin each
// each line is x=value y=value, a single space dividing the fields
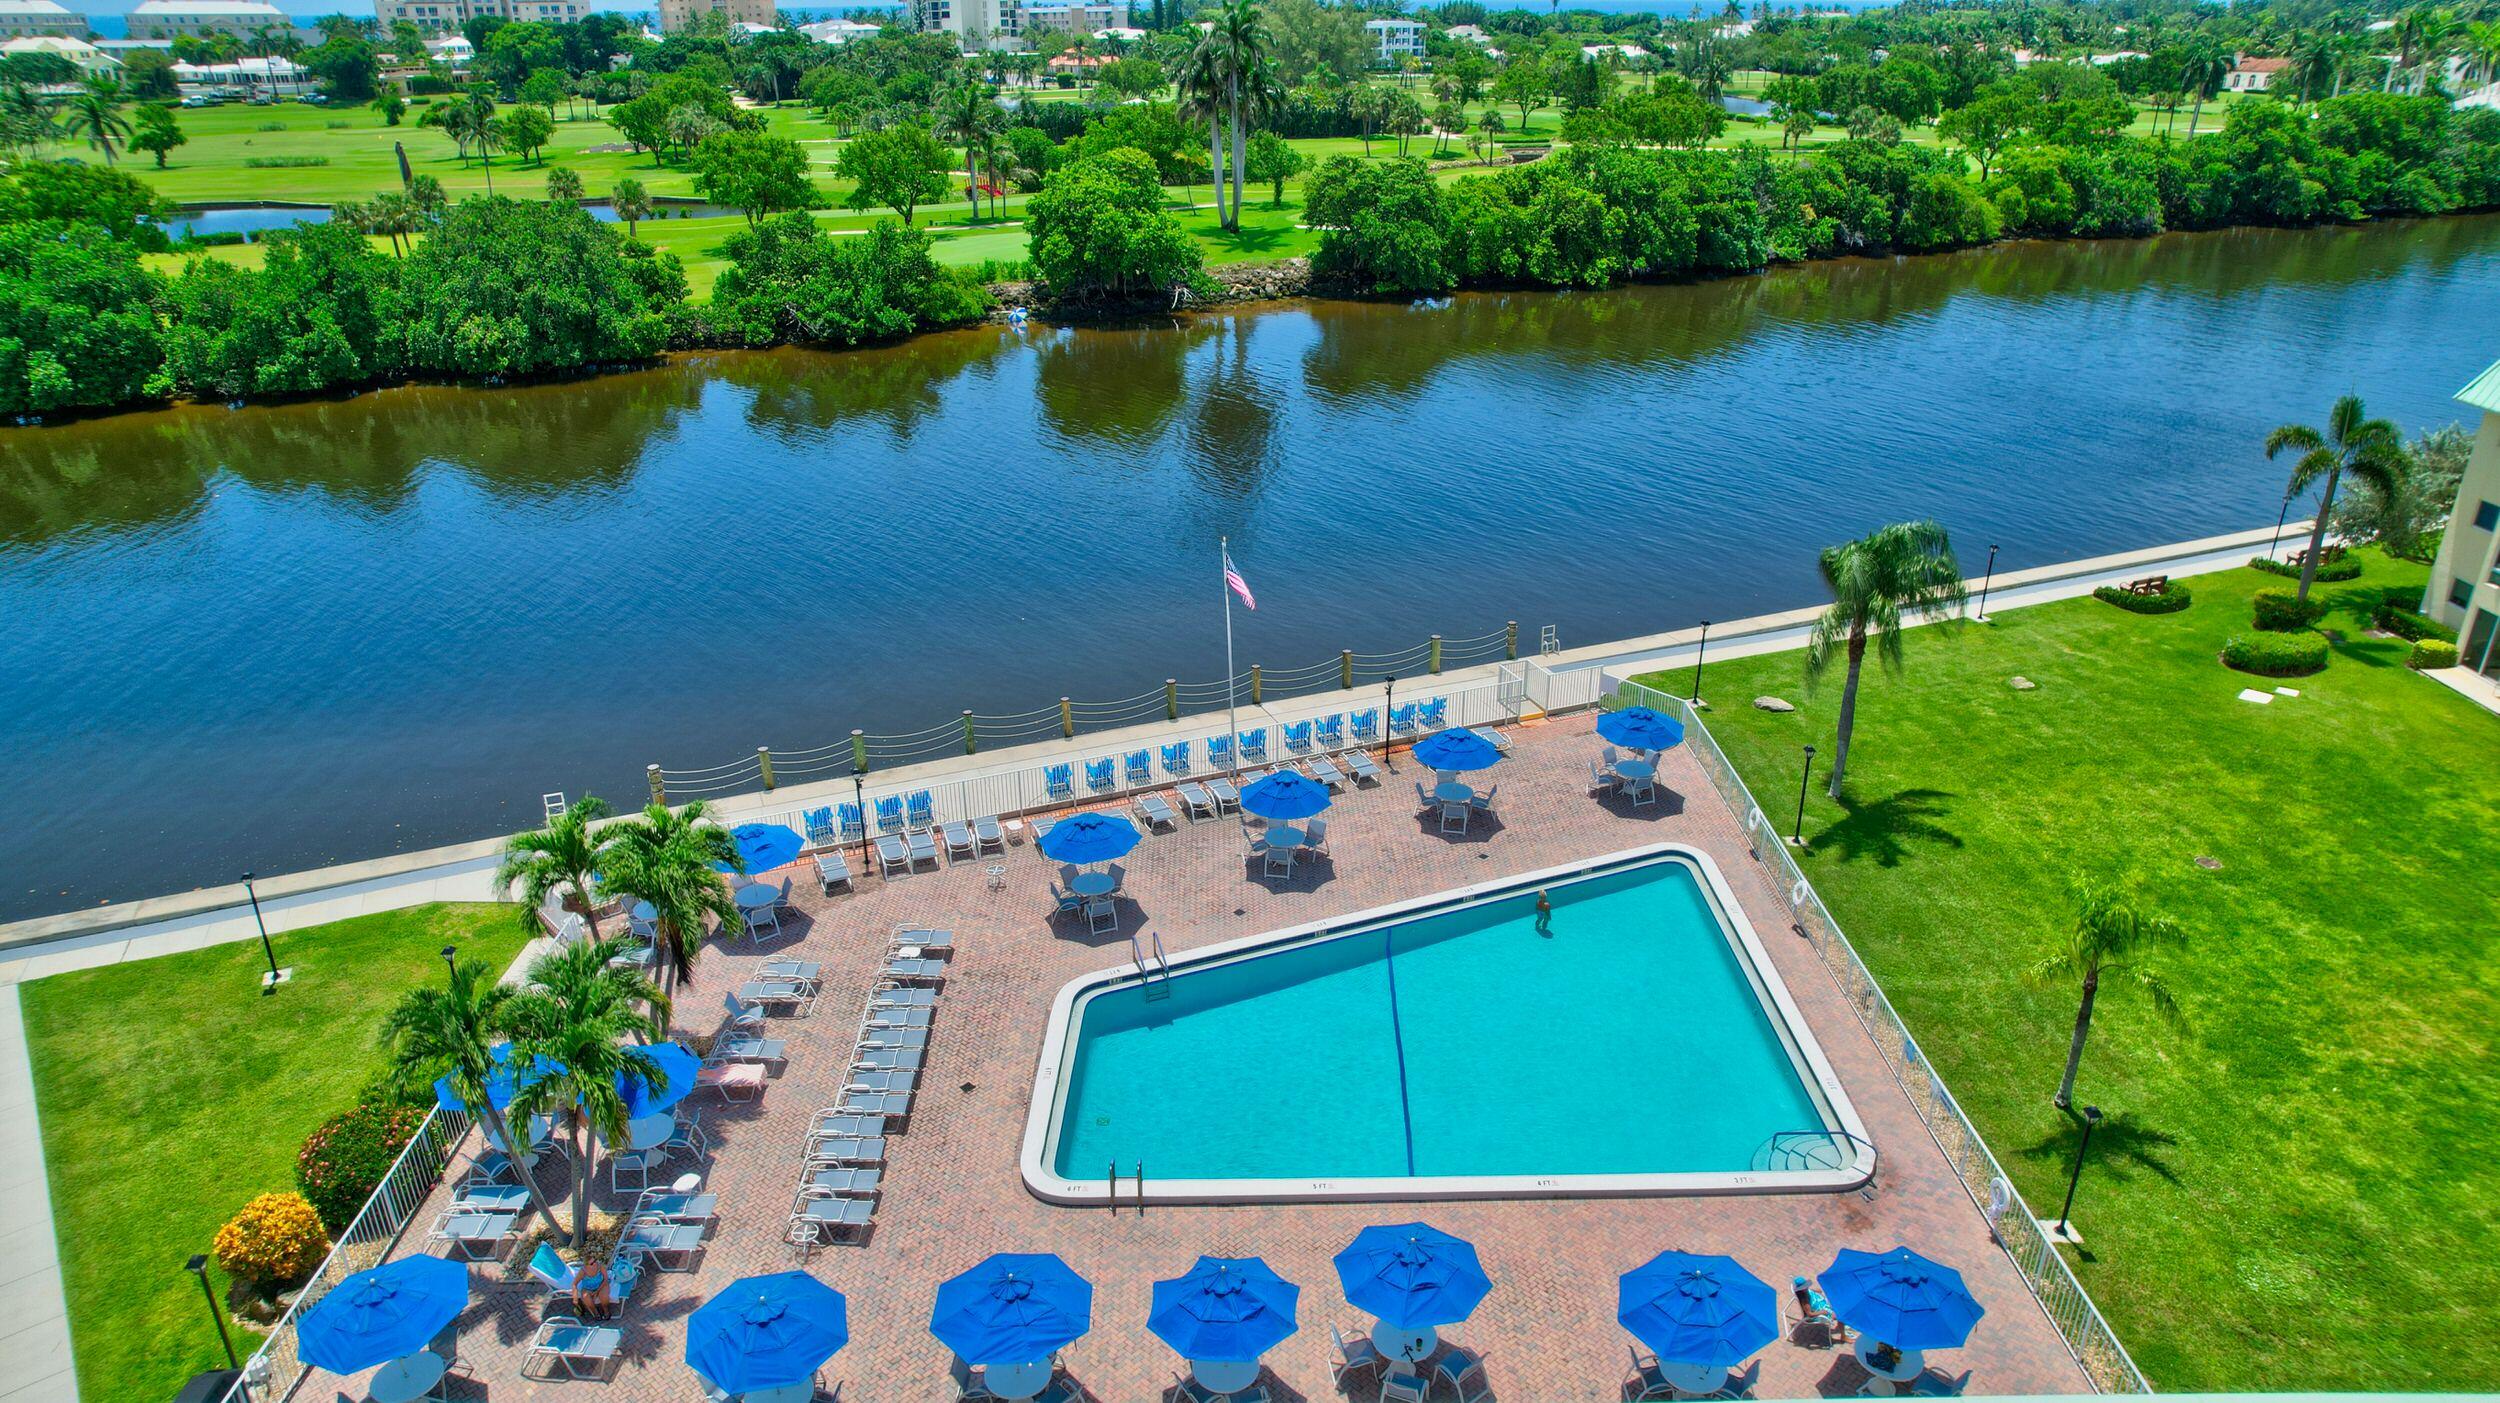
x=1814 y=1310
x=594 y=1291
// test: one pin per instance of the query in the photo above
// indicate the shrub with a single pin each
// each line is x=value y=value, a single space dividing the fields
x=2282 y=611
x=2429 y=653
x=263 y=163
x=2173 y=598
x=276 y=1241
x=2330 y=570
x=2410 y=624
x=344 y=1160
x=2276 y=654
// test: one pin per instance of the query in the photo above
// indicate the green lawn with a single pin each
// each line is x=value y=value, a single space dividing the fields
x=2295 y=1196
x=171 y=1092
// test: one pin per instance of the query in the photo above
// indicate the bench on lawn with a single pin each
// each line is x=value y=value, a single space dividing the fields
x=2149 y=585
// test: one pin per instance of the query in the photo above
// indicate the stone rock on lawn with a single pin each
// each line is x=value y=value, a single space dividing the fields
x=1771 y=704
x=2022 y=684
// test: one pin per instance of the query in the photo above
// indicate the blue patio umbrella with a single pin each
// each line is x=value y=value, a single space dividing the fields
x=764 y=1332
x=1089 y=838
x=1900 y=1298
x=1412 y=1275
x=1694 y=1309
x=1286 y=794
x=1640 y=728
x=676 y=1064
x=1456 y=750
x=765 y=846
x=501 y=1083
x=1013 y=1307
x=382 y=1314
x=1225 y=1309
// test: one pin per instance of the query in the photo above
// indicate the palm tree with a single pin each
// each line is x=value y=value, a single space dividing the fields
x=1200 y=83
x=450 y=1032
x=1239 y=41
x=576 y=1018
x=2422 y=35
x=2109 y=936
x=94 y=113
x=997 y=155
x=2203 y=73
x=632 y=204
x=2481 y=46
x=563 y=854
x=2317 y=63
x=2371 y=450
x=1876 y=581
x=666 y=858
x=966 y=113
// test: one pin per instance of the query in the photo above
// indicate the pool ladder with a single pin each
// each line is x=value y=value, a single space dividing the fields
x=1157 y=977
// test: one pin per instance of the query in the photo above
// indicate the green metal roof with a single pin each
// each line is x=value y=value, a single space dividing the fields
x=2483 y=392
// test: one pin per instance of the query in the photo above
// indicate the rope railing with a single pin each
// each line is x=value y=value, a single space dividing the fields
x=2052 y=1282
x=969 y=731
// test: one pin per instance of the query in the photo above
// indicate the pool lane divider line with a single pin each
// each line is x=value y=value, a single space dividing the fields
x=1397 y=1039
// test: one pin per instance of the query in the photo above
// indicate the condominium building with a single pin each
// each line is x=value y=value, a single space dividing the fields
x=2464 y=591
x=1394 y=39
x=1074 y=16
x=197 y=19
x=976 y=24
x=77 y=53
x=443 y=16
x=838 y=31
x=29 y=19
x=679 y=15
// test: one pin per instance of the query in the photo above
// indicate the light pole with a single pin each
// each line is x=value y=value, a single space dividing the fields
x=268 y=982
x=1985 y=578
x=1700 y=651
x=198 y=1266
x=1388 y=742
x=2063 y=1230
x=1797 y=834
x=859 y=802
x=451 y=960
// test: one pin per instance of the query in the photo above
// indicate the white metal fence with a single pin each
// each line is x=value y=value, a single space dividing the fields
x=274 y=1369
x=2094 y=1344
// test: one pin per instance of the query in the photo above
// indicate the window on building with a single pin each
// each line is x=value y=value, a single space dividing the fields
x=2459 y=592
x=2487 y=516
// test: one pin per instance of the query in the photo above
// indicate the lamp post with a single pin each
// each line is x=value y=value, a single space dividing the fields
x=198 y=1266
x=1985 y=578
x=859 y=801
x=2063 y=1230
x=268 y=982
x=451 y=960
x=1388 y=739
x=1797 y=834
x=1700 y=651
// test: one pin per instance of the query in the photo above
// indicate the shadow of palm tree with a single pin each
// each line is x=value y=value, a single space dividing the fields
x=2121 y=1146
x=1885 y=829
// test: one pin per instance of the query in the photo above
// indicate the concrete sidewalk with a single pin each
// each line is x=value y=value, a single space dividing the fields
x=34 y=1319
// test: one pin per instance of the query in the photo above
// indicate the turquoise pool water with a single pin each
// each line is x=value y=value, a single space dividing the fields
x=1625 y=1038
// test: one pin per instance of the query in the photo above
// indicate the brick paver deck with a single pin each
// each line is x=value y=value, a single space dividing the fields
x=952 y=1193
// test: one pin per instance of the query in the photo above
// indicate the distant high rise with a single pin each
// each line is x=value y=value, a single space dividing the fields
x=678 y=15
x=976 y=24
x=175 y=19
x=438 y=16
x=36 y=18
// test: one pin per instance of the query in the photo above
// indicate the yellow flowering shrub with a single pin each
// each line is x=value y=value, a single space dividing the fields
x=277 y=1239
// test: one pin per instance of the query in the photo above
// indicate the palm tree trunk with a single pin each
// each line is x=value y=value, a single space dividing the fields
x=1215 y=159
x=581 y=1180
x=2074 y=1049
x=1233 y=219
x=581 y=884
x=1848 y=707
x=2195 y=114
x=2317 y=535
x=500 y=1127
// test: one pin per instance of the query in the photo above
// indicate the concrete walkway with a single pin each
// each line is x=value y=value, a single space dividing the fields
x=34 y=1319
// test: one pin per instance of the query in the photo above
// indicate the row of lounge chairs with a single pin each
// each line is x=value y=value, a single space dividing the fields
x=1320 y=736
x=841 y=1172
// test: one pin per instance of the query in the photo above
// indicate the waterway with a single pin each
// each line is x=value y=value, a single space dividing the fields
x=280 y=636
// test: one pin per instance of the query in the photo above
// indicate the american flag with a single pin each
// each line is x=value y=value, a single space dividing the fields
x=1240 y=586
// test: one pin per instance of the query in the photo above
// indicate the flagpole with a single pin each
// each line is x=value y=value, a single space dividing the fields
x=1224 y=561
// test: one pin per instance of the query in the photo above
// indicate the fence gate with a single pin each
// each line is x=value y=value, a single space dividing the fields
x=1510 y=689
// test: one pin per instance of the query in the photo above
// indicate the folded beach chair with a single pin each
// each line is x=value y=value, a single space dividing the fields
x=1332 y=731
x=1367 y=727
x=1298 y=737
x=890 y=814
x=820 y=830
x=921 y=810
x=1099 y=777
x=1157 y=810
x=1176 y=759
x=1136 y=765
x=1254 y=744
x=1432 y=715
x=1402 y=720
x=854 y=827
x=1219 y=752
x=1059 y=781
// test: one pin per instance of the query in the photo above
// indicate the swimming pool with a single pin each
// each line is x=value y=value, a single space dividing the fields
x=1639 y=1043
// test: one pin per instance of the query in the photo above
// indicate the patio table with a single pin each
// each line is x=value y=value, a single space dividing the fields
x=1397 y=1344
x=650 y=1131
x=799 y=1392
x=1225 y=1375
x=1452 y=792
x=1636 y=769
x=1692 y=1378
x=1094 y=884
x=1909 y=1366
x=1017 y=1380
x=756 y=896
x=407 y=1379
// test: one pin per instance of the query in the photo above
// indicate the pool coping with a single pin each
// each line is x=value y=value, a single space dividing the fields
x=1805 y=1053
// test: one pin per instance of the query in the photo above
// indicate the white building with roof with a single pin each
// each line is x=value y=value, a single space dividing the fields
x=837 y=31
x=2464 y=591
x=440 y=16
x=197 y=19
x=1394 y=39
x=32 y=18
x=1121 y=33
x=1074 y=16
x=81 y=55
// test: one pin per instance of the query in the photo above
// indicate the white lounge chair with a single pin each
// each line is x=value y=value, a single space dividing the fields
x=1157 y=810
x=828 y=1220
x=566 y=1343
x=959 y=841
x=832 y=870
x=892 y=854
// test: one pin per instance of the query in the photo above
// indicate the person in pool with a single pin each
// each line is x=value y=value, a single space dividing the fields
x=1817 y=1311
x=1544 y=914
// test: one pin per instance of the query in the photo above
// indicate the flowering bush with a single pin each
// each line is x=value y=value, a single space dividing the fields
x=276 y=1240
x=342 y=1162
